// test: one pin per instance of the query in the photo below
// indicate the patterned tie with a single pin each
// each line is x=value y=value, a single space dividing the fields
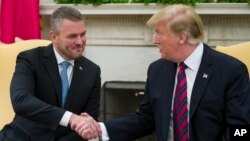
x=65 y=82
x=180 y=117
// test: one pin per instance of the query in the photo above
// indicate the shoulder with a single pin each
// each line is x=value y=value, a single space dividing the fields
x=160 y=63
x=161 y=68
x=36 y=51
x=224 y=60
x=219 y=58
x=224 y=64
x=87 y=63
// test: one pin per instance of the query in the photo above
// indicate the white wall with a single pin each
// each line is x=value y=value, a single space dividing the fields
x=122 y=63
x=46 y=1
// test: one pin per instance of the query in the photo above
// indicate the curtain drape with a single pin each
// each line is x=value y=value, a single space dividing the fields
x=19 y=18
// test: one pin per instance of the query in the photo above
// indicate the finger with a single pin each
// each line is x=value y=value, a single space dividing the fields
x=90 y=120
x=99 y=130
x=85 y=114
x=91 y=133
x=94 y=126
x=90 y=136
x=83 y=132
x=79 y=126
x=86 y=134
x=85 y=127
x=73 y=126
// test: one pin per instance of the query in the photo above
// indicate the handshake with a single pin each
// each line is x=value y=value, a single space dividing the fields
x=85 y=126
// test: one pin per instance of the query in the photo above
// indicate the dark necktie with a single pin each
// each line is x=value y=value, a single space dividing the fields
x=65 y=82
x=180 y=112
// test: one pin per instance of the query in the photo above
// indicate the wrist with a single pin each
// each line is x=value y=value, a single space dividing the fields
x=72 y=118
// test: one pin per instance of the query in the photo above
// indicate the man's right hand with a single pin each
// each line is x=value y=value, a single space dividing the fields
x=85 y=126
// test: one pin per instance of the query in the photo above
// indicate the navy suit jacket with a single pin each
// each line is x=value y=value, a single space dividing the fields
x=218 y=100
x=36 y=96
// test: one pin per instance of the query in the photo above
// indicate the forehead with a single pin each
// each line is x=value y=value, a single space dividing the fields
x=162 y=25
x=72 y=26
x=70 y=23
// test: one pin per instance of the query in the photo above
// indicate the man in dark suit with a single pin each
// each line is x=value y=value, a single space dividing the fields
x=41 y=113
x=192 y=93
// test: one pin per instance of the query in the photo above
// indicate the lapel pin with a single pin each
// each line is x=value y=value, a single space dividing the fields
x=205 y=75
x=80 y=67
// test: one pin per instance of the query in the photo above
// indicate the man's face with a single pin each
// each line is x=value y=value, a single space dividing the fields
x=71 y=40
x=166 y=41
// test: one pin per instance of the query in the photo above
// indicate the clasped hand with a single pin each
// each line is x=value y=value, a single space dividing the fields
x=85 y=126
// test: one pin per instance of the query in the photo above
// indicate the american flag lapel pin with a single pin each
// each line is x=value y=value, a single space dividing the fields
x=80 y=68
x=205 y=76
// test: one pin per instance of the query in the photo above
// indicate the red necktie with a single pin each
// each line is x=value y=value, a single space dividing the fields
x=180 y=117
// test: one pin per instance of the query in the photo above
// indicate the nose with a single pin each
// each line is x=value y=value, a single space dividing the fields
x=156 y=40
x=80 y=40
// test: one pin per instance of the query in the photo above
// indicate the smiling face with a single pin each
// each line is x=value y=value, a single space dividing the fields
x=70 y=41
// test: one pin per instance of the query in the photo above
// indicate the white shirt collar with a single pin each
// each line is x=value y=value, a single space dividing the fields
x=193 y=61
x=60 y=59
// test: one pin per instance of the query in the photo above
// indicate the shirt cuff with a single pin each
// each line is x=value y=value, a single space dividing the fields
x=65 y=119
x=105 y=136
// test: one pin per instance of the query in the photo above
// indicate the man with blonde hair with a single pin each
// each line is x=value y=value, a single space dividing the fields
x=193 y=93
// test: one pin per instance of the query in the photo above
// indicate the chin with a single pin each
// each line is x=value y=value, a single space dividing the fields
x=76 y=56
x=164 y=58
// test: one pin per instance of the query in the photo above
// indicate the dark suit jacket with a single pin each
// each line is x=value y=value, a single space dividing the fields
x=217 y=101
x=36 y=96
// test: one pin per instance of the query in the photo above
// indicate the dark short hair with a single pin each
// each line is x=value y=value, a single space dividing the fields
x=64 y=12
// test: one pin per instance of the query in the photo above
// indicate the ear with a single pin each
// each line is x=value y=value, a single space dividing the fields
x=183 y=38
x=53 y=36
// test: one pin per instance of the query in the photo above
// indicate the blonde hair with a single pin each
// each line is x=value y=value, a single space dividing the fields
x=180 y=18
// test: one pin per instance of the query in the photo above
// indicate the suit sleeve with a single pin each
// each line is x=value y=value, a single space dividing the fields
x=23 y=98
x=238 y=97
x=92 y=106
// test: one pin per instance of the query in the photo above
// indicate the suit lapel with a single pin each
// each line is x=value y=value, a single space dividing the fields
x=51 y=65
x=167 y=87
x=203 y=76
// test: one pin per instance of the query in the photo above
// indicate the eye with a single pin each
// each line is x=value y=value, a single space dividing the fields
x=72 y=36
x=83 y=34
